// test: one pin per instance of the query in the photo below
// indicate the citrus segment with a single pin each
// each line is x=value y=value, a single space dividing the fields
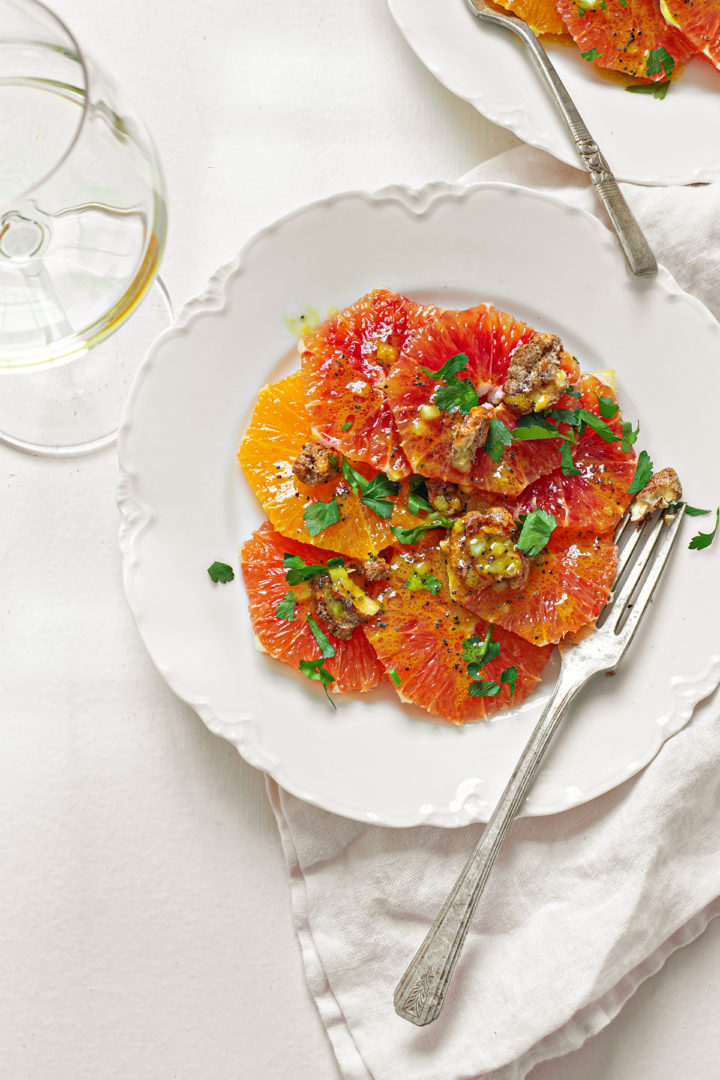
x=629 y=36
x=278 y=430
x=354 y=665
x=488 y=338
x=345 y=363
x=540 y=15
x=699 y=21
x=418 y=637
x=568 y=586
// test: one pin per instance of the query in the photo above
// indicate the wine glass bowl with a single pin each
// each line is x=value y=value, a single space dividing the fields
x=83 y=216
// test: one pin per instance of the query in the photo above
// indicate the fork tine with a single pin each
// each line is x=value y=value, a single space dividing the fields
x=643 y=599
x=645 y=538
x=635 y=537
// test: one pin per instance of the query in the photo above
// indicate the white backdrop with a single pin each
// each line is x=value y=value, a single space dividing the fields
x=145 y=925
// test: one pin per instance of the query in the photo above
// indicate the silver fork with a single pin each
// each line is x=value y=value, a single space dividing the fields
x=635 y=247
x=421 y=992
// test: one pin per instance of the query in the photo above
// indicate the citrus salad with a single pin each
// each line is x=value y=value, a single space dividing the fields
x=647 y=40
x=442 y=489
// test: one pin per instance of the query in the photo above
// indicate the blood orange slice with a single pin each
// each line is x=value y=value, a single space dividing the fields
x=699 y=21
x=568 y=587
x=345 y=363
x=278 y=430
x=630 y=36
x=354 y=665
x=418 y=636
x=488 y=338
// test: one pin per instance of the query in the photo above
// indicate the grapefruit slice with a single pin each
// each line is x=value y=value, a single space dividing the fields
x=418 y=637
x=278 y=430
x=568 y=586
x=354 y=665
x=629 y=36
x=488 y=338
x=699 y=21
x=345 y=363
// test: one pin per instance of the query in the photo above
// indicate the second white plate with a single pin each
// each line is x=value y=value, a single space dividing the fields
x=647 y=141
x=184 y=502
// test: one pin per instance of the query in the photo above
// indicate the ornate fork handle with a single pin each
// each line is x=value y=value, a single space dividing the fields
x=635 y=247
x=420 y=994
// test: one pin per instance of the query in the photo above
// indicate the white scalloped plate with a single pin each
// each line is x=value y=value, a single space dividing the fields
x=184 y=502
x=674 y=141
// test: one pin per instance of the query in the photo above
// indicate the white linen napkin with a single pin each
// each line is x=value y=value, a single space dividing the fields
x=581 y=906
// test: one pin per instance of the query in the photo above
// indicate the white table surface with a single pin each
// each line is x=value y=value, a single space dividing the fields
x=145 y=927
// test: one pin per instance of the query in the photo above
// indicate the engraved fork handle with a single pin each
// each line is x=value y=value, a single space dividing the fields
x=421 y=992
x=635 y=247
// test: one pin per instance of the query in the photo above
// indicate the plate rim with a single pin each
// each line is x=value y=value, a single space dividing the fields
x=135 y=518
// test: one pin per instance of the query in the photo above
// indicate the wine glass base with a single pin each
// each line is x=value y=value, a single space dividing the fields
x=75 y=408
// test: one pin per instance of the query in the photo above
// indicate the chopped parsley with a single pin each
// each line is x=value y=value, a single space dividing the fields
x=658 y=90
x=220 y=571
x=418 y=581
x=297 y=571
x=376 y=494
x=659 y=61
x=643 y=473
x=326 y=648
x=319 y=516
x=394 y=676
x=703 y=540
x=535 y=533
x=608 y=407
x=347 y=425
x=418 y=496
x=315 y=669
x=567 y=465
x=484 y=688
x=694 y=511
x=286 y=607
x=478 y=651
x=411 y=536
x=456 y=395
x=498 y=438
x=629 y=435
x=592 y=54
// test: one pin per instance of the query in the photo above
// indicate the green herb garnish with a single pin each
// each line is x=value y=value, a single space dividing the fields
x=457 y=395
x=297 y=571
x=658 y=90
x=411 y=536
x=326 y=648
x=418 y=581
x=376 y=494
x=703 y=540
x=593 y=54
x=658 y=61
x=347 y=425
x=643 y=473
x=220 y=571
x=319 y=516
x=315 y=669
x=498 y=438
x=535 y=532
x=418 y=497
x=394 y=676
x=286 y=607
x=449 y=369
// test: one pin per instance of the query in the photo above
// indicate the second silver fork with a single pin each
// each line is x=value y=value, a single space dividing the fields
x=421 y=992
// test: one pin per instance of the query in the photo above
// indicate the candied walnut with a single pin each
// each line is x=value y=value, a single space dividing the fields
x=375 y=568
x=443 y=497
x=315 y=464
x=662 y=490
x=481 y=551
x=535 y=379
x=468 y=436
x=335 y=608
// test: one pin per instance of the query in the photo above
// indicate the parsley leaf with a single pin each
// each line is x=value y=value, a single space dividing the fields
x=394 y=676
x=643 y=472
x=567 y=465
x=498 y=437
x=629 y=435
x=326 y=648
x=347 y=425
x=703 y=540
x=298 y=571
x=458 y=395
x=450 y=367
x=376 y=493
x=220 y=571
x=598 y=425
x=484 y=689
x=319 y=516
x=658 y=90
x=315 y=669
x=658 y=61
x=411 y=536
x=592 y=54
x=475 y=649
x=608 y=406
x=286 y=607
x=418 y=496
x=509 y=676
x=694 y=511
x=535 y=532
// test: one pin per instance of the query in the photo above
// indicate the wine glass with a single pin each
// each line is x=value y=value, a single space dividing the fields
x=83 y=221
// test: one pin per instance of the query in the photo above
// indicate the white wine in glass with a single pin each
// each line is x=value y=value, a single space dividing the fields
x=83 y=221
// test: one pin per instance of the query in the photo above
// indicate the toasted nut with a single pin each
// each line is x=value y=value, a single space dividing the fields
x=535 y=379
x=469 y=436
x=662 y=490
x=481 y=550
x=315 y=464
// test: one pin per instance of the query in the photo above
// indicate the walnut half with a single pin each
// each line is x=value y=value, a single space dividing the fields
x=662 y=490
x=315 y=464
x=535 y=379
